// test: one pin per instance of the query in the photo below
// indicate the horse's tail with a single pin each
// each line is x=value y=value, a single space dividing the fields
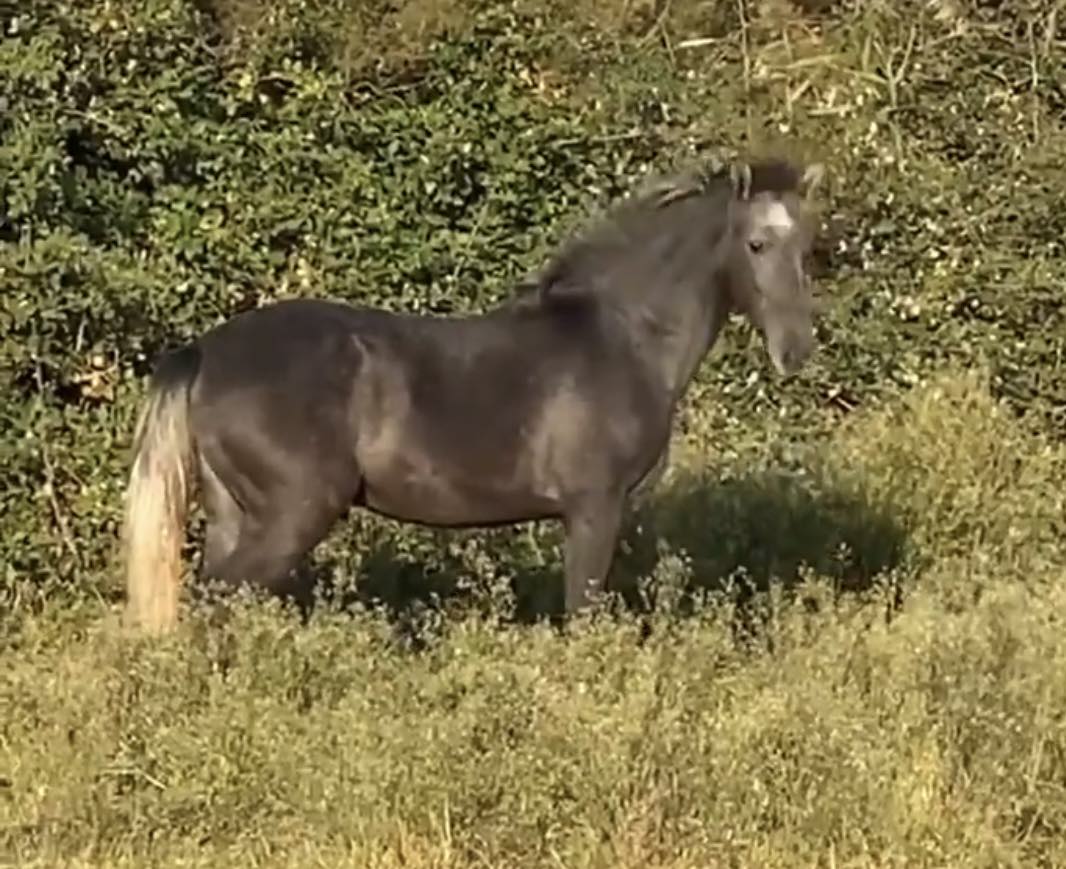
x=157 y=495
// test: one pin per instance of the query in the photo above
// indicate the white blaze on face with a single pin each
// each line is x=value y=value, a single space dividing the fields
x=774 y=215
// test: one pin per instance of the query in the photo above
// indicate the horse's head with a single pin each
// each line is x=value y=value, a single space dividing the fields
x=771 y=231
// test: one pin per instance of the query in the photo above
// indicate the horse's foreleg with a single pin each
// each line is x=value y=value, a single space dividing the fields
x=592 y=528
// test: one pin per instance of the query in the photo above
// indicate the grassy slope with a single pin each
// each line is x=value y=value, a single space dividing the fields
x=841 y=738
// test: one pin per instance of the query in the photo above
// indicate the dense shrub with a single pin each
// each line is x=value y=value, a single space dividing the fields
x=168 y=164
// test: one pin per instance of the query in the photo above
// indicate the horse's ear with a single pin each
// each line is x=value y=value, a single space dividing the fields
x=740 y=178
x=812 y=178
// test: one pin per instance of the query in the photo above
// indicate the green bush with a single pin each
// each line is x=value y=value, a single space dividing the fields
x=168 y=165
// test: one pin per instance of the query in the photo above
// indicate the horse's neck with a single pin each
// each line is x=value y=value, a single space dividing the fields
x=683 y=311
x=699 y=338
x=674 y=338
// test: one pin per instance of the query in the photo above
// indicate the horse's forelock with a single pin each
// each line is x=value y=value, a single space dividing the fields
x=775 y=176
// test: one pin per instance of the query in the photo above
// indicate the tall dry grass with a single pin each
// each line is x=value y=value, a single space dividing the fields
x=928 y=735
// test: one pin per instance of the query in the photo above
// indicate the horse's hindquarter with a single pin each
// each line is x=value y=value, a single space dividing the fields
x=271 y=408
x=491 y=419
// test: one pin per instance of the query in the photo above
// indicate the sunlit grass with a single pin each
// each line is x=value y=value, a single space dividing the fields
x=854 y=732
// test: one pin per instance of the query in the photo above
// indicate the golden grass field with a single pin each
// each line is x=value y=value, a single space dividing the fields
x=848 y=735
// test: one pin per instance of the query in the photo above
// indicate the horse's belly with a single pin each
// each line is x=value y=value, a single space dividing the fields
x=439 y=502
x=455 y=496
x=455 y=471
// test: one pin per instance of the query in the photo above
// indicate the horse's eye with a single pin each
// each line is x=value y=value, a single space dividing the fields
x=755 y=245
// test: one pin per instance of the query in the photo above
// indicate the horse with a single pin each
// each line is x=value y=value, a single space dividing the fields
x=555 y=404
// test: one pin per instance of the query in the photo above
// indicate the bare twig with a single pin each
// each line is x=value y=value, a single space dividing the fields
x=464 y=252
x=662 y=10
x=894 y=76
x=745 y=51
x=65 y=535
x=135 y=772
x=698 y=42
x=601 y=140
x=668 y=44
x=1034 y=76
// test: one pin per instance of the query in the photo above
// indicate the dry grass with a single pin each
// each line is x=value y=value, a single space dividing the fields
x=358 y=36
x=932 y=738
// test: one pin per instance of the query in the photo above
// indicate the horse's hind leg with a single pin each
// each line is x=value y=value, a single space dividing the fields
x=224 y=517
x=272 y=544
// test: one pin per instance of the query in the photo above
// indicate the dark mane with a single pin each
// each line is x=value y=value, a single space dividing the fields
x=775 y=176
x=636 y=232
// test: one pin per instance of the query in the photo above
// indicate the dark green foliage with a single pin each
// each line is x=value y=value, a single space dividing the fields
x=164 y=165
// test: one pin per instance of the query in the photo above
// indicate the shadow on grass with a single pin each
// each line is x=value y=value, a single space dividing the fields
x=746 y=534
x=740 y=535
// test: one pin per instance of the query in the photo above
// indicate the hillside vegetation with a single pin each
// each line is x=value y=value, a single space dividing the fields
x=856 y=653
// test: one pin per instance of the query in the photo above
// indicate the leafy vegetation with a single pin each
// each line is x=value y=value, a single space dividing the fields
x=890 y=524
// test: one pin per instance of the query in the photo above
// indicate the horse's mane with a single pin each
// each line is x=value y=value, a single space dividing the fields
x=628 y=225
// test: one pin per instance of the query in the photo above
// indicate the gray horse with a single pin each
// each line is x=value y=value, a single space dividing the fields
x=558 y=404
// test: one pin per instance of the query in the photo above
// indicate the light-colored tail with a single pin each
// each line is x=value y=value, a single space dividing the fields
x=157 y=499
